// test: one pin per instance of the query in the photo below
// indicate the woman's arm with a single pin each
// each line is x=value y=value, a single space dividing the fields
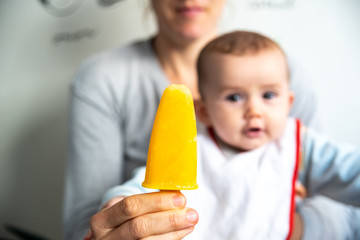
x=95 y=149
x=330 y=169
x=323 y=218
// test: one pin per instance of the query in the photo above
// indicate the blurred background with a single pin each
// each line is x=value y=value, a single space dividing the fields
x=42 y=43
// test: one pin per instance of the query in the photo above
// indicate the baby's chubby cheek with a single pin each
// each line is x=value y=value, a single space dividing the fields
x=277 y=130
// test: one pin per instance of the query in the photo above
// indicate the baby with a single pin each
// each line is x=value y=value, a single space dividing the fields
x=250 y=153
x=249 y=156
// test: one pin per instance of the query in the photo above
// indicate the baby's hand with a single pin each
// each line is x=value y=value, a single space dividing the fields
x=160 y=215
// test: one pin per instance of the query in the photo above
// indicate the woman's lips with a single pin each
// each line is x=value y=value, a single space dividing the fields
x=189 y=12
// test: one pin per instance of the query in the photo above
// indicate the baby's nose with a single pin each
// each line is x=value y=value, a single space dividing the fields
x=253 y=109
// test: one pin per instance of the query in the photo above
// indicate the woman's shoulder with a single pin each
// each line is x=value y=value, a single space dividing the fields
x=125 y=54
x=112 y=65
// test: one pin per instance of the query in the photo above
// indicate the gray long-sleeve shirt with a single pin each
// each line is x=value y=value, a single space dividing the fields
x=114 y=99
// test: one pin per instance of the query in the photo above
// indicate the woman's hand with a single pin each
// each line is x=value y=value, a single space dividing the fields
x=160 y=215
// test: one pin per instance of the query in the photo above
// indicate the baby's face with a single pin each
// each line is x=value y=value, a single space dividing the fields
x=247 y=98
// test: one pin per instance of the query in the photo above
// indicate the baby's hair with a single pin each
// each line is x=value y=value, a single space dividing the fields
x=238 y=43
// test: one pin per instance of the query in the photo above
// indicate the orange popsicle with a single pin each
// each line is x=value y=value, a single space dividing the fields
x=171 y=161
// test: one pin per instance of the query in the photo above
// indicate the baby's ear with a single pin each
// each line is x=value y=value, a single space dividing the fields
x=201 y=112
x=291 y=99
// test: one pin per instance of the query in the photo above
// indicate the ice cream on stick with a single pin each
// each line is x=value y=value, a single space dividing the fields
x=171 y=161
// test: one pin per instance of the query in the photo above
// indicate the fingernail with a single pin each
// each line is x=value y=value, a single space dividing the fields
x=179 y=200
x=191 y=216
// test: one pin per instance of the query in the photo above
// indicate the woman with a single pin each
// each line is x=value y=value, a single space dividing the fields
x=113 y=105
x=114 y=101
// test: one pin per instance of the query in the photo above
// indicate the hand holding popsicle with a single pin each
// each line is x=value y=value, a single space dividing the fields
x=160 y=215
x=171 y=165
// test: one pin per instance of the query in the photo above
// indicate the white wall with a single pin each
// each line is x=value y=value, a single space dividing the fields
x=41 y=50
x=39 y=54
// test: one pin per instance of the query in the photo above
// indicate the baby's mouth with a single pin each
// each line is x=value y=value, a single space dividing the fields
x=253 y=132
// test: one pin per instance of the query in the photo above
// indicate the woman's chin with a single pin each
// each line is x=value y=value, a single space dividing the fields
x=192 y=34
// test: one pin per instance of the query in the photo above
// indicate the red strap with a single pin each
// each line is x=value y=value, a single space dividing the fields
x=295 y=176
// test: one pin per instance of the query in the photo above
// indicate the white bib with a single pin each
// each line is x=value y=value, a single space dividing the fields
x=249 y=196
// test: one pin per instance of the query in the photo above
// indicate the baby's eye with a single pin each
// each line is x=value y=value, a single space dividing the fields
x=269 y=95
x=234 y=98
